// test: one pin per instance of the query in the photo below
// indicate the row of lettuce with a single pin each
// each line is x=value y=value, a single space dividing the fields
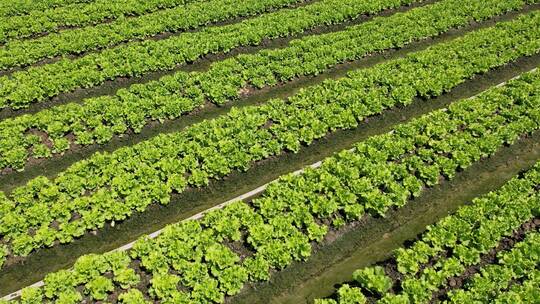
x=24 y=7
x=111 y=186
x=180 y=18
x=40 y=83
x=97 y=120
x=439 y=261
x=203 y=261
x=77 y=14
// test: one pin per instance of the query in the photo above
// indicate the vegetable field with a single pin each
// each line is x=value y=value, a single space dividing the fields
x=270 y=151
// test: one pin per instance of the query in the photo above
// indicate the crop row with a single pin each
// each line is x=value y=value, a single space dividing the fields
x=496 y=282
x=204 y=260
x=39 y=83
x=450 y=247
x=464 y=244
x=519 y=264
x=79 y=40
x=111 y=186
x=22 y=7
x=99 y=119
x=77 y=14
x=526 y=292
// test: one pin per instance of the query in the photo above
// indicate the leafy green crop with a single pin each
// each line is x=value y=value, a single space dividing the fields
x=110 y=186
x=97 y=120
x=521 y=262
x=191 y=262
x=80 y=40
x=457 y=242
x=77 y=14
x=134 y=59
x=526 y=292
x=23 y=7
x=373 y=279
